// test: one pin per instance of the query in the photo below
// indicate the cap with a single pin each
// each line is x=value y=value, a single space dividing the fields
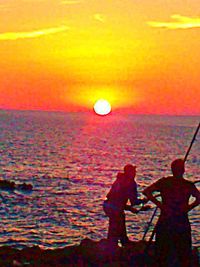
x=129 y=168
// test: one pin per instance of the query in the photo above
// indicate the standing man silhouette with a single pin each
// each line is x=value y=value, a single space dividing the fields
x=173 y=230
x=123 y=189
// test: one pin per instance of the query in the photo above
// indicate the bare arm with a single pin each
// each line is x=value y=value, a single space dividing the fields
x=148 y=192
x=133 y=195
x=130 y=208
x=196 y=202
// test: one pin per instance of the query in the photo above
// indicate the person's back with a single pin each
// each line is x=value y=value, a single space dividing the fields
x=175 y=195
x=173 y=230
x=121 y=191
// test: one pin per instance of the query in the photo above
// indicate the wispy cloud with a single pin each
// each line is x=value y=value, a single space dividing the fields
x=31 y=34
x=71 y=2
x=180 y=22
x=29 y=1
x=99 y=17
x=3 y=6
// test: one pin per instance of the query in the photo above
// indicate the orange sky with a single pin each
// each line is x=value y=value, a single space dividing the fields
x=141 y=55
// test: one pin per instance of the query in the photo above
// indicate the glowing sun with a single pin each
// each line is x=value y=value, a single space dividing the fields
x=102 y=107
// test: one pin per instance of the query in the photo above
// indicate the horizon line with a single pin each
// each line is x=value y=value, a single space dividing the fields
x=92 y=112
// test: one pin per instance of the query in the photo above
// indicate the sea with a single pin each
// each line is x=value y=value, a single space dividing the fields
x=72 y=159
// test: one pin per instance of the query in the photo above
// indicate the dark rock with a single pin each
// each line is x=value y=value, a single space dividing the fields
x=88 y=254
x=25 y=187
x=7 y=185
x=11 y=186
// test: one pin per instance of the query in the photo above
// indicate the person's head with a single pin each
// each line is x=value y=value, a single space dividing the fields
x=130 y=170
x=178 y=167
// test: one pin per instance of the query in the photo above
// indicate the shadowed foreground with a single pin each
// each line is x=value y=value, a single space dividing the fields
x=88 y=253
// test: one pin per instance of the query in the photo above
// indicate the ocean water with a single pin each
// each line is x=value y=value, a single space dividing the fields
x=71 y=159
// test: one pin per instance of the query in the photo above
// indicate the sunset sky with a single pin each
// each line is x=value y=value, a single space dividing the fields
x=141 y=55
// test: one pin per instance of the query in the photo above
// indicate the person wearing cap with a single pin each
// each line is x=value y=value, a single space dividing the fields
x=123 y=189
x=173 y=230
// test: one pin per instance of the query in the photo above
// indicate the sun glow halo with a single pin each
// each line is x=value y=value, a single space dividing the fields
x=102 y=107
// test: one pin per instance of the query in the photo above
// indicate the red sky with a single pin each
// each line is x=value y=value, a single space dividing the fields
x=142 y=56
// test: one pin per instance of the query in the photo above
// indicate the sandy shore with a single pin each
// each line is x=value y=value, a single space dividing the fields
x=88 y=253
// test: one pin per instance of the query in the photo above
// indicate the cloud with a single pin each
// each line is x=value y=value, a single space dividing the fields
x=29 y=1
x=71 y=2
x=3 y=6
x=181 y=22
x=31 y=34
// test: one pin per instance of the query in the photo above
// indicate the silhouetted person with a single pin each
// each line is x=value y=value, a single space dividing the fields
x=173 y=231
x=123 y=189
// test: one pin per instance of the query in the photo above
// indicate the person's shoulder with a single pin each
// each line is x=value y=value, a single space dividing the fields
x=119 y=178
x=169 y=177
x=190 y=186
x=162 y=182
x=120 y=175
x=188 y=183
x=165 y=179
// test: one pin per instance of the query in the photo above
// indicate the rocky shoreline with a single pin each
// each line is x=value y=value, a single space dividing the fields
x=88 y=253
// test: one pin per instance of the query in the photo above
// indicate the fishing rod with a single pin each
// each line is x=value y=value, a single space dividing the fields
x=155 y=211
x=193 y=139
x=149 y=223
